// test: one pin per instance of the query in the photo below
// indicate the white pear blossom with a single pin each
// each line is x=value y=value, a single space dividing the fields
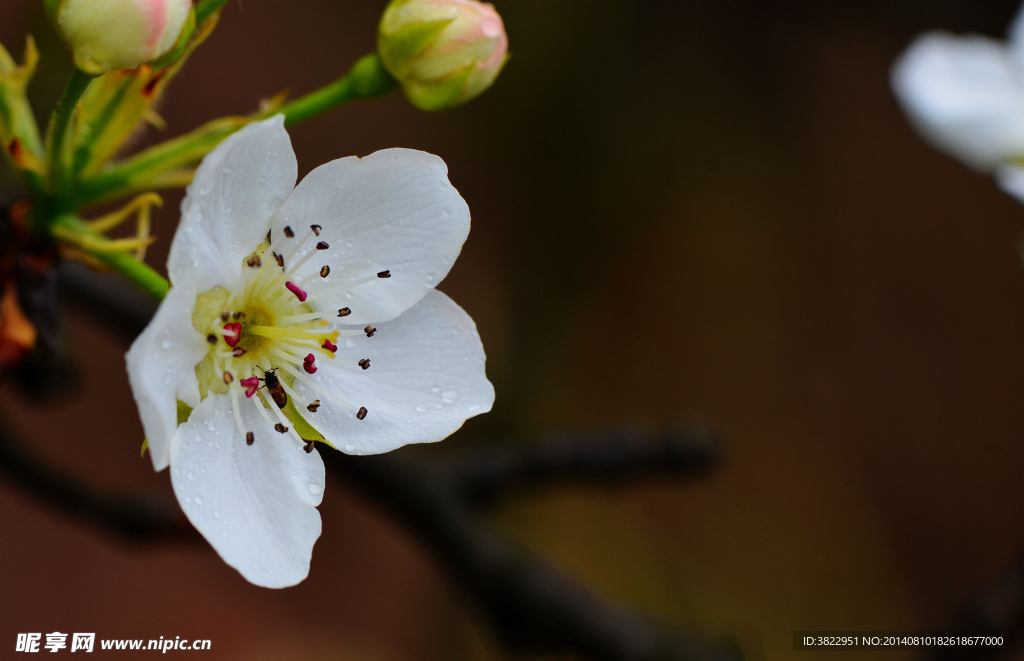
x=301 y=314
x=965 y=95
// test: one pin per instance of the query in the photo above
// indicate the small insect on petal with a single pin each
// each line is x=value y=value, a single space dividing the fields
x=280 y=428
x=232 y=334
x=344 y=312
x=250 y=438
x=330 y=346
x=312 y=408
x=299 y=294
x=362 y=413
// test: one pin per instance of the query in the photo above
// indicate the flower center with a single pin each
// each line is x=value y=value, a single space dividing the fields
x=268 y=334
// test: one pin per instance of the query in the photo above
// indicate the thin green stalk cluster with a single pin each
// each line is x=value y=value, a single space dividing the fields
x=73 y=169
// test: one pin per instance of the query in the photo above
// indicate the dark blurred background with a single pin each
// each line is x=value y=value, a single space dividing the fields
x=708 y=209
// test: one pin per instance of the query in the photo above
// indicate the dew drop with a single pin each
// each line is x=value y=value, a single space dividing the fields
x=421 y=408
x=450 y=396
x=191 y=476
x=199 y=501
x=167 y=344
x=473 y=408
x=216 y=515
x=315 y=488
x=350 y=448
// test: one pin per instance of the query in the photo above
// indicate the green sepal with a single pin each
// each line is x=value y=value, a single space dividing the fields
x=440 y=95
x=398 y=47
x=184 y=412
x=180 y=46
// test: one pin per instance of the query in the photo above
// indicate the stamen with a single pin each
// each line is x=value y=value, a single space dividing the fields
x=342 y=287
x=237 y=412
x=384 y=274
x=330 y=346
x=344 y=312
x=316 y=387
x=250 y=438
x=279 y=258
x=362 y=413
x=309 y=364
x=299 y=294
x=251 y=385
x=280 y=416
x=238 y=352
x=232 y=334
x=224 y=316
x=253 y=262
x=314 y=405
x=228 y=378
x=364 y=363
x=281 y=429
x=308 y=447
x=369 y=330
x=325 y=271
x=322 y=245
x=211 y=338
x=289 y=233
x=316 y=229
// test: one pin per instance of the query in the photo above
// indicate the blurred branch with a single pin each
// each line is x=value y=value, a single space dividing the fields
x=617 y=457
x=132 y=518
x=532 y=607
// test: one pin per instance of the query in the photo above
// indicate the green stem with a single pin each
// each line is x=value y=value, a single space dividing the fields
x=67 y=227
x=60 y=120
x=368 y=79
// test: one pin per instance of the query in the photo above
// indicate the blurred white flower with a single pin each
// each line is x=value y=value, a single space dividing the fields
x=965 y=95
x=281 y=296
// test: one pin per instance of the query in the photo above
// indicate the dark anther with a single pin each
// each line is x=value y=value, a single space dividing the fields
x=224 y=316
x=344 y=312
x=281 y=428
x=384 y=274
x=316 y=229
x=280 y=259
x=325 y=271
x=239 y=315
x=322 y=246
x=211 y=338
x=365 y=363
x=369 y=330
x=238 y=352
x=250 y=438
x=289 y=233
x=254 y=261
x=308 y=447
x=362 y=413
x=228 y=378
x=314 y=406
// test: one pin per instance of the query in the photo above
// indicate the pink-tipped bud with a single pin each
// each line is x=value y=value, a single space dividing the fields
x=121 y=34
x=443 y=52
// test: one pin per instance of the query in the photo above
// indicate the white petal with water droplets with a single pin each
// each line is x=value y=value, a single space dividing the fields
x=426 y=378
x=394 y=209
x=255 y=504
x=161 y=370
x=229 y=204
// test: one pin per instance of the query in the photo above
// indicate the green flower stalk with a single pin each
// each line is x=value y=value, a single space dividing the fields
x=443 y=52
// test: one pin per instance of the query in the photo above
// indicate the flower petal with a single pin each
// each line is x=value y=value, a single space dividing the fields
x=394 y=209
x=426 y=379
x=255 y=504
x=161 y=370
x=227 y=210
x=1011 y=180
x=964 y=95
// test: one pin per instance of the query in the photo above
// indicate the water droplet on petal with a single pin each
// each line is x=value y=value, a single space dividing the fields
x=191 y=476
x=450 y=396
x=315 y=488
x=199 y=501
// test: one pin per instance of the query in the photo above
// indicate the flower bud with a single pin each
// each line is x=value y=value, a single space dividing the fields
x=443 y=52
x=121 y=34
